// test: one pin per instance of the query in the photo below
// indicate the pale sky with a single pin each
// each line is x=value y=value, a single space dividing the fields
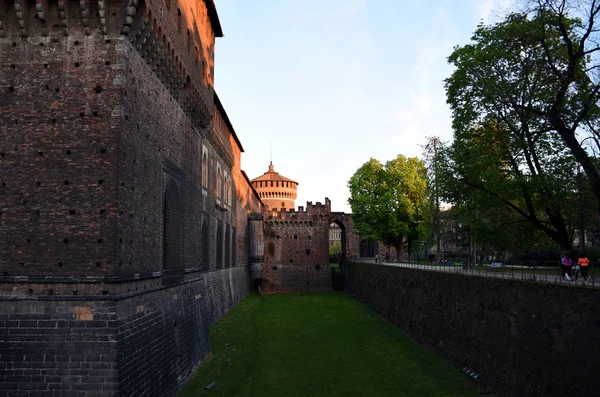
x=329 y=84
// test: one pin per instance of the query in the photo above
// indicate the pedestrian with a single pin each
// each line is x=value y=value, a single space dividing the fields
x=584 y=263
x=566 y=267
x=387 y=257
x=377 y=258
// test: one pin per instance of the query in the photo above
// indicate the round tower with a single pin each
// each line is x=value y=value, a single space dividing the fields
x=276 y=191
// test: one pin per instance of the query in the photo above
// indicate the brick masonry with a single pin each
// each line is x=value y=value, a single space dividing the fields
x=123 y=207
x=524 y=339
x=146 y=344
x=296 y=247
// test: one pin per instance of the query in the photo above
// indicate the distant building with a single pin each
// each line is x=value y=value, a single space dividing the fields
x=335 y=234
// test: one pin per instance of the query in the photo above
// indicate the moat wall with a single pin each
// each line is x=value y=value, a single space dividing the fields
x=523 y=338
x=135 y=344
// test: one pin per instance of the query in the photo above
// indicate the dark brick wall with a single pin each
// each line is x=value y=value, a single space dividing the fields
x=58 y=348
x=144 y=345
x=296 y=278
x=524 y=339
x=163 y=335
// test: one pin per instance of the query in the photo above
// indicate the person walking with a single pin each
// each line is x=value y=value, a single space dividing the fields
x=566 y=267
x=584 y=264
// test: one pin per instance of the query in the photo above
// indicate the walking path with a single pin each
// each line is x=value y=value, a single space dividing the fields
x=549 y=275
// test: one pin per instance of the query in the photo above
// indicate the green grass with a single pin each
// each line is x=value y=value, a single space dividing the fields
x=318 y=345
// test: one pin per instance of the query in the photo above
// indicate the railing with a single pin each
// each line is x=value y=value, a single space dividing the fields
x=535 y=271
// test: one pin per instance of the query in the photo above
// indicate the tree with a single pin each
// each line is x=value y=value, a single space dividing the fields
x=505 y=151
x=538 y=73
x=389 y=201
x=567 y=32
x=432 y=153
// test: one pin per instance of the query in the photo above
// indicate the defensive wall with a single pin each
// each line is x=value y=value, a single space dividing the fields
x=296 y=253
x=523 y=339
x=126 y=223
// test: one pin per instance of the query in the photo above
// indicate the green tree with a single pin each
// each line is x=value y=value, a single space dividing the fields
x=432 y=153
x=389 y=201
x=505 y=151
x=538 y=72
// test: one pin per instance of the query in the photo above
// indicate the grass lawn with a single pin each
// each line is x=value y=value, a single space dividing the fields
x=323 y=344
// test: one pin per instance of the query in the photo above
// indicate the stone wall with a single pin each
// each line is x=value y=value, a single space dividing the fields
x=137 y=344
x=524 y=339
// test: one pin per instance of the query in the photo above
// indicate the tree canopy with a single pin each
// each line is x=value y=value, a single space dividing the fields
x=524 y=96
x=389 y=201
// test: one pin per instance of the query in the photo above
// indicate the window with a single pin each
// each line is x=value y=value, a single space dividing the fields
x=219 y=181
x=307 y=251
x=204 y=167
x=219 y=245
x=283 y=204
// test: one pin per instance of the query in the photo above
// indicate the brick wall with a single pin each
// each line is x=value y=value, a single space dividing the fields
x=58 y=149
x=58 y=347
x=524 y=339
x=146 y=344
x=296 y=278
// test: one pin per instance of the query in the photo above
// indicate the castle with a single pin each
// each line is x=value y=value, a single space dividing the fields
x=127 y=225
x=296 y=242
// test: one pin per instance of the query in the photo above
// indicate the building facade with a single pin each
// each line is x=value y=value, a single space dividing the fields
x=126 y=223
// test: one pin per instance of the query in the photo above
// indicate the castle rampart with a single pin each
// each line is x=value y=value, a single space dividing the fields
x=124 y=225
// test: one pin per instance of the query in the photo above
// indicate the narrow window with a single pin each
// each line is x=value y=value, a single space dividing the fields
x=219 y=182
x=204 y=169
x=219 y=244
x=204 y=244
x=179 y=20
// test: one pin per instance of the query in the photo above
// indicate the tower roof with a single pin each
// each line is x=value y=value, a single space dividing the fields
x=271 y=175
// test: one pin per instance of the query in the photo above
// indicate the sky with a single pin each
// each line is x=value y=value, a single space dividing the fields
x=322 y=86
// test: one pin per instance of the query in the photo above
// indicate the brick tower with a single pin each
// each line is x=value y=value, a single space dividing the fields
x=276 y=191
x=124 y=214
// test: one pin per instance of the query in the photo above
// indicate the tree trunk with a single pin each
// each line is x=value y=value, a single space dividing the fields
x=399 y=249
